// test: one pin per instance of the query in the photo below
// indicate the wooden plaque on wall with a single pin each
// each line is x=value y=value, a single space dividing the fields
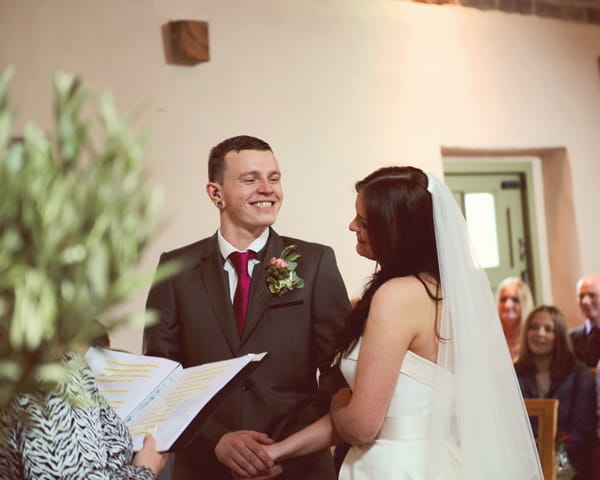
x=188 y=41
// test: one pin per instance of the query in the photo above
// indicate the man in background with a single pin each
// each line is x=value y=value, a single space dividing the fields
x=586 y=338
x=225 y=303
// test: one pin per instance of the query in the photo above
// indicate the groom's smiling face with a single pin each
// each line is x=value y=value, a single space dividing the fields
x=251 y=191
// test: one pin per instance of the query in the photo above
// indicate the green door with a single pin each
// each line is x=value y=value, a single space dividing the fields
x=494 y=205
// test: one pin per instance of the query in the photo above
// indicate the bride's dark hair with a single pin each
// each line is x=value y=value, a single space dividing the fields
x=402 y=237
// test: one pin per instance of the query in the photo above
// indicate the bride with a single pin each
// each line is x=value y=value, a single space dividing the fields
x=433 y=393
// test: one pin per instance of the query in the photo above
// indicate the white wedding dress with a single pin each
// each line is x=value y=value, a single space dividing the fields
x=402 y=449
x=463 y=417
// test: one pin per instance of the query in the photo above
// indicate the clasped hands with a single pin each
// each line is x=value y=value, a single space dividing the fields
x=251 y=455
x=244 y=453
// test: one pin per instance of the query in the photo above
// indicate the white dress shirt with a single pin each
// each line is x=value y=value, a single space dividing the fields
x=227 y=249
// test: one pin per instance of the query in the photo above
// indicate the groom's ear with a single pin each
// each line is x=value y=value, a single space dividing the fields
x=213 y=190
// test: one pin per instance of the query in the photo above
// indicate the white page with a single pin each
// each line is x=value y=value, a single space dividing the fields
x=125 y=379
x=178 y=404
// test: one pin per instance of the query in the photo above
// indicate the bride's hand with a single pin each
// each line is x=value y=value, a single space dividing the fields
x=273 y=451
x=340 y=399
x=274 y=472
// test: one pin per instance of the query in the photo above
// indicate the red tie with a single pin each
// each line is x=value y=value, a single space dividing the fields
x=240 y=299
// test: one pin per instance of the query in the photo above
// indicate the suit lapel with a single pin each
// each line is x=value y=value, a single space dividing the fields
x=260 y=296
x=214 y=279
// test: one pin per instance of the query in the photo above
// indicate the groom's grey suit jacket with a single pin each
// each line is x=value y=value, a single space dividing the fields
x=197 y=325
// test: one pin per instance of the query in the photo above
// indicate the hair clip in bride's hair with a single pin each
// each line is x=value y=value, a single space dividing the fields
x=430 y=180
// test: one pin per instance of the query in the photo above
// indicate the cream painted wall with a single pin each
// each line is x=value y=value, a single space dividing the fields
x=338 y=87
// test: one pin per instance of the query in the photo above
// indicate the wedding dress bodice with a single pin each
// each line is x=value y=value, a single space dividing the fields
x=401 y=449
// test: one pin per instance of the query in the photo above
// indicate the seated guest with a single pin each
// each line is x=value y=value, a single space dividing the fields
x=586 y=338
x=548 y=368
x=70 y=432
x=514 y=301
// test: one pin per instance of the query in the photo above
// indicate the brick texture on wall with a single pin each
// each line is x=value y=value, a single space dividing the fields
x=586 y=11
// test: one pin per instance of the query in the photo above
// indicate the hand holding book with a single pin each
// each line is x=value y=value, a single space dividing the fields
x=156 y=395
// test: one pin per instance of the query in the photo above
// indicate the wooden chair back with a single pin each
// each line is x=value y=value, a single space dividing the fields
x=546 y=410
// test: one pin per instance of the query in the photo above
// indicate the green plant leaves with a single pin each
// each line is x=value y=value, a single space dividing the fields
x=76 y=211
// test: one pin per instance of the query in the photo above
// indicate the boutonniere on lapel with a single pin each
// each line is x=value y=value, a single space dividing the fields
x=282 y=277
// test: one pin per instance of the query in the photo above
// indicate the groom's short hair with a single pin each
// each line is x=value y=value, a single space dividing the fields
x=216 y=158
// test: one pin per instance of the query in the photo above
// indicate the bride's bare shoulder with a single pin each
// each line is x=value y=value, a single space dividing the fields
x=401 y=312
x=407 y=288
x=403 y=295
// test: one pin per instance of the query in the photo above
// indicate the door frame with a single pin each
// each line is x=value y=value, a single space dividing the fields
x=481 y=165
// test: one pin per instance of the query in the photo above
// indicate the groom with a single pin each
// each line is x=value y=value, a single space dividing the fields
x=220 y=306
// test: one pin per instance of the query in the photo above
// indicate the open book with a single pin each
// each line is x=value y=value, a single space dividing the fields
x=158 y=396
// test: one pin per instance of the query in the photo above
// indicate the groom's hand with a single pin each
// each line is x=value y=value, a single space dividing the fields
x=242 y=453
x=274 y=472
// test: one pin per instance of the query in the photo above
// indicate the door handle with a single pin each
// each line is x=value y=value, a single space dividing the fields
x=522 y=250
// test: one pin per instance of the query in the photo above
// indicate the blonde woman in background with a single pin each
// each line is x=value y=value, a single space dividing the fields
x=515 y=301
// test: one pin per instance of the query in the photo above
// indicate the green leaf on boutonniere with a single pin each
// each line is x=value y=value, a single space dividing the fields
x=282 y=277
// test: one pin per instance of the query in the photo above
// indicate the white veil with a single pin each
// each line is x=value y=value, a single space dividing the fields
x=482 y=412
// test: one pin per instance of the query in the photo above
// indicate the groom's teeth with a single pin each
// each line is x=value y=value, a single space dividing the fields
x=263 y=204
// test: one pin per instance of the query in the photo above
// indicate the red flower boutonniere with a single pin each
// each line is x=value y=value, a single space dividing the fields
x=562 y=440
x=282 y=277
x=563 y=467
